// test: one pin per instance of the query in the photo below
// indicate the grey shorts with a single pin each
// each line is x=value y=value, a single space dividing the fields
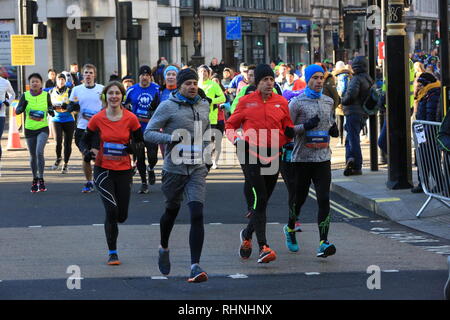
x=193 y=187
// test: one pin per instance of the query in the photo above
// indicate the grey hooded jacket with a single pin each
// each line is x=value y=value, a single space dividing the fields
x=191 y=121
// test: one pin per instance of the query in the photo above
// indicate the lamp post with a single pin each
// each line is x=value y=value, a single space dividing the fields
x=373 y=125
x=398 y=111
x=197 y=58
x=118 y=43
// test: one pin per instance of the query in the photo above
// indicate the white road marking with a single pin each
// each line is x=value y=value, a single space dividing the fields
x=312 y=273
x=390 y=271
x=238 y=276
x=159 y=278
x=98 y=225
x=35 y=227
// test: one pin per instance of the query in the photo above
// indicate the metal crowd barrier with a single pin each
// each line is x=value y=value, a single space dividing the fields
x=432 y=163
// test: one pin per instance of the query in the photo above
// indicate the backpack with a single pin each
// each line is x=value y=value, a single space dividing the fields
x=370 y=105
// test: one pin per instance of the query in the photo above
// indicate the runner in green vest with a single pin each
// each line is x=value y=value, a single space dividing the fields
x=36 y=104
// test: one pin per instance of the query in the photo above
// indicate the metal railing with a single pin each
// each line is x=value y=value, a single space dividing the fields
x=432 y=163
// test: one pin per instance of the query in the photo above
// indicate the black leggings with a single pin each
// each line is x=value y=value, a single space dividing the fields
x=64 y=129
x=259 y=188
x=320 y=174
x=114 y=188
x=287 y=170
x=196 y=234
x=152 y=156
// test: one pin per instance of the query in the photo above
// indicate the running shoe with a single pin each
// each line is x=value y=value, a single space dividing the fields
x=163 y=261
x=266 y=255
x=57 y=163
x=114 y=260
x=197 y=274
x=151 y=176
x=326 y=249
x=65 y=169
x=42 y=187
x=88 y=187
x=34 y=186
x=143 y=189
x=349 y=167
x=245 y=249
x=291 y=241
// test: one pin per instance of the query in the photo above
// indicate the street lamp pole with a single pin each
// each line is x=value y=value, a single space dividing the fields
x=398 y=111
x=373 y=125
x=197 y=58
x=118 y=43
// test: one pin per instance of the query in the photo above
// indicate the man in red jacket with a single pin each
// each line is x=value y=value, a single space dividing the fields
x=266 y=126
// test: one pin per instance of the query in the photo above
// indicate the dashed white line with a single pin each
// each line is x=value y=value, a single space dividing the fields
x=98 y=225
x=312 y=273
x=159 y=278
x=390 y=271
x=35 y=227
x=215 y=223
x=238 y=276
x=155 y=224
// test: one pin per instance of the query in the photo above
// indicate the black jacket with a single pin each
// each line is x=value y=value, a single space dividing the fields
x=358 y=88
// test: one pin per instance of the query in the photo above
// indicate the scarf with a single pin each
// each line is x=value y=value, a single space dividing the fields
x=187 y=100
x=310 y=93
x=423 y=92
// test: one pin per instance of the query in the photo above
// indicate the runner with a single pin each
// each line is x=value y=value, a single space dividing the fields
x=120 y=136
x=144 y=99
x=85 y=99
x=37 y=105
x=266 y=125
x=64 y=123
x=7 y=95
x=313 y=117
x=187 y=111
x=214 y=92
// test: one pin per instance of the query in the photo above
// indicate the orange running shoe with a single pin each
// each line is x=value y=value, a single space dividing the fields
x=266 y=255
x=245 y=250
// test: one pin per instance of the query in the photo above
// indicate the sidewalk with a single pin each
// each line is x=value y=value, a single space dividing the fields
x=370 y=192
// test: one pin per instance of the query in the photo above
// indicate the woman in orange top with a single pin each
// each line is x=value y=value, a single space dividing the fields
x=120 y=135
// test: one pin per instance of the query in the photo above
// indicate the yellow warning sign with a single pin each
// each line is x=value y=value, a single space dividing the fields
x=22 y=50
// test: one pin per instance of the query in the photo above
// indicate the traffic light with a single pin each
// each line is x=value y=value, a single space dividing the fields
x=438 y=42
x=31 y=15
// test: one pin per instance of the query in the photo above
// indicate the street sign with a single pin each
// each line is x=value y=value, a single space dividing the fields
x=233 y=28
x=22 y=50
x=381 y=50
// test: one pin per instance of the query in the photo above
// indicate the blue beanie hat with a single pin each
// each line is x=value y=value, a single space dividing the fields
x=170 y=68
x=311 y=70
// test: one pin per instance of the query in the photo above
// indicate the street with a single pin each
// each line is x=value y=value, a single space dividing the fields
x=53 y=246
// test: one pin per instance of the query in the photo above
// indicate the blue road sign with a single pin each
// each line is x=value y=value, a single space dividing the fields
x=233 y=28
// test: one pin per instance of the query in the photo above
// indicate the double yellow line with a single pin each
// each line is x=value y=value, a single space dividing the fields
x=338 y=208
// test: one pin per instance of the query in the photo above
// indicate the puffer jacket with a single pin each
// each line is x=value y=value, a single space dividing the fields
x=358 y=88
x=429 y=103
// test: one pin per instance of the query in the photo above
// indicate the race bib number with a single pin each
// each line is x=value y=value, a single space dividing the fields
x=114 y=151
x=317 y=139
x=88 y=115
x=37 y=115
x=143 y=115
x=190 y=154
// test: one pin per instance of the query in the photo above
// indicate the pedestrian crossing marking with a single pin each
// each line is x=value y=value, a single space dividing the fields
x=337 y=207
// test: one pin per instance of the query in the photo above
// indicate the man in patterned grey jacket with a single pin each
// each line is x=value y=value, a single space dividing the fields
x=313 y=118
x=184 y=120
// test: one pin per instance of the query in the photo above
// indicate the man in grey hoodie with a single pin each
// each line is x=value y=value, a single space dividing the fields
x=184 y=120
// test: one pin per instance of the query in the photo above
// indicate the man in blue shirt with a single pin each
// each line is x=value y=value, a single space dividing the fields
x=144 y=98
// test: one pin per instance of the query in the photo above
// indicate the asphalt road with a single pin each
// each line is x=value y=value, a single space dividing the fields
x=42 y=235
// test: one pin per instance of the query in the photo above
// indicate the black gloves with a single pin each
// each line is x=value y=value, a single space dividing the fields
x=334 y=131
x=202 y=94
x=311 y=123
x=88 y=155
x=134 y=148
x=289 y=132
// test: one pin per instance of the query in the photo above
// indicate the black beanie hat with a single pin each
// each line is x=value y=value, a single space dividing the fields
x=426 y=78
x=145 y=70
x=262 y=71
x=185 y=75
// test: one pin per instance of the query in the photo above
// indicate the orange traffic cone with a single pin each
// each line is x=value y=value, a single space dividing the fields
x=13 y=134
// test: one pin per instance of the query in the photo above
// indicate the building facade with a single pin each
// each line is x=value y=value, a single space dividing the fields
x=85 y=32
x=422 y=24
